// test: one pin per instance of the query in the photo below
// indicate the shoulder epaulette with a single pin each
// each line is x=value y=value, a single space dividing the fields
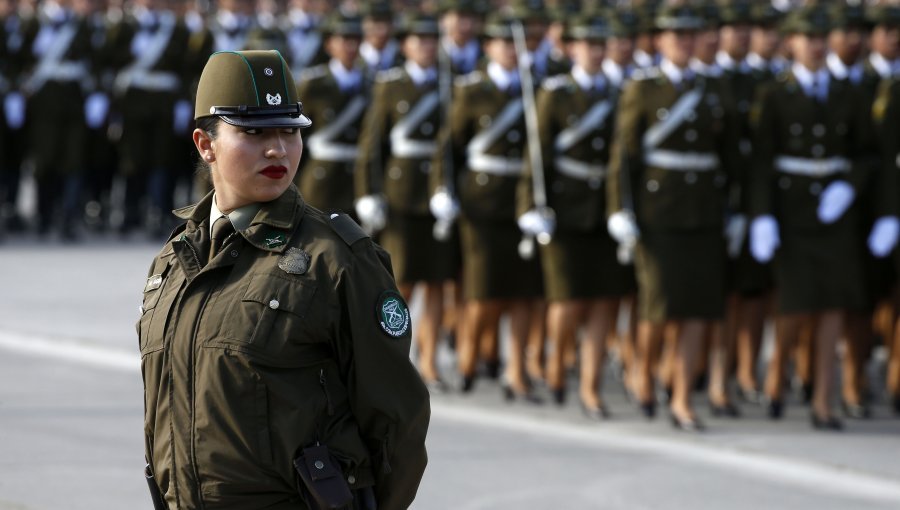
x=314 y=72
x=345 y=227
x=392 y=74
x=556 y=82
x=469 y=79
x=646 y=73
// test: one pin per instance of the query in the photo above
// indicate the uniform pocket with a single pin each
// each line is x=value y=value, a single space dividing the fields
x=152 y=314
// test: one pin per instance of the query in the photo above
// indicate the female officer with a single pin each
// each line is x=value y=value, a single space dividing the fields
x=273 y=340
x=676 y=152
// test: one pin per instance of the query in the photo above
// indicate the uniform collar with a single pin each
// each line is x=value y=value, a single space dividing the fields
x=240 y=217
x=503 y=79
x=378 y=59
x=614 y=72
x=346 y=78
x=728 y=63
x=841 y=71
x=702 y=68
x=270 y=229
x=588 y=81
x=814 y=84
x=675 y=74
x=419 y=75
x=884 y=67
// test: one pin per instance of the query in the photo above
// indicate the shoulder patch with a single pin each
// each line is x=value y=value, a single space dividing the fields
x=345 y=227
x=468 y=79
x=392 y=74
x=311 y=73
x=392 y=314
x=647 y=73
x=556 y=82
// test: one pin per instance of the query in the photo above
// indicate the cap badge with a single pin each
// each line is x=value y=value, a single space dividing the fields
x=273 y=100
x=268 y=71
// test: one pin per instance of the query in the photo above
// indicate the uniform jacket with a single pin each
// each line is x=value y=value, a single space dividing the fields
x=789 y=123
x=245 y=363
x=76 y=52
x=575 y=128
x=664 y=198
x=485 y=123
x=398 y=142
x=325 y=178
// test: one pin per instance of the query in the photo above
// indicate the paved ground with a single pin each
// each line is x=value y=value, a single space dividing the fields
x=70 y=422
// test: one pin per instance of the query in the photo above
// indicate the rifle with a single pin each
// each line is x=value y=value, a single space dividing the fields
x=539 y=190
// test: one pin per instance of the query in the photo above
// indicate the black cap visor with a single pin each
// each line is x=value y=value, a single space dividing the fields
x=263 y=116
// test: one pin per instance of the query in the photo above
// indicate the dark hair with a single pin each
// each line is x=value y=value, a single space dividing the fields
x=210 y=125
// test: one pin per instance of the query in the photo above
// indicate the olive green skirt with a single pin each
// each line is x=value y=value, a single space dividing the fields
x=818 y=271
x=492 y=267
x=584 y=265
x=681 y=275
x=415 y=254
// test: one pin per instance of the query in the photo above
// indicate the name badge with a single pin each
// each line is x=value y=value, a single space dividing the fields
x=153 y=282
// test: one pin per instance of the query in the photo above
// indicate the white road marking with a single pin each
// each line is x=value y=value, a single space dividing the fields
x=763 y=466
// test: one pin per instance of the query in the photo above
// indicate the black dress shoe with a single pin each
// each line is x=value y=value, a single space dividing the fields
x=856 y=411
x=896 y=405
x=598 y=413
x=648 y=409
x=686 y=424
x=467 y=383
x=829 y=423
x=701 y=382
x=492 y=369
x=559 y=396
x=724 y=410
x=750 y=395
x=528 y=396
x=807 y=391
x=774 y=408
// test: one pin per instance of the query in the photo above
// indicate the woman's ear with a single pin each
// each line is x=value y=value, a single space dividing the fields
x=204 y=145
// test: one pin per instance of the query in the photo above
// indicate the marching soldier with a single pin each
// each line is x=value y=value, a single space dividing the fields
x=487 y=137
x=674 y=158
x=398 y=142
x=147 y=50
x=301 y=31
x=645 y=53
x=232 y=24
x=379 y=49
x=765 y=40
x=341 y=89
x=619 y=62
x=847 y=42
x=811 y=160
x=56 y=73
x=576 y=115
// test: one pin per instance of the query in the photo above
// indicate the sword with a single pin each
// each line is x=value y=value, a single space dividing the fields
x=539 y=190
x=443 y=227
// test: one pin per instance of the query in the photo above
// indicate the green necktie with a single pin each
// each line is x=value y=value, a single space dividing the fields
x=221 y=229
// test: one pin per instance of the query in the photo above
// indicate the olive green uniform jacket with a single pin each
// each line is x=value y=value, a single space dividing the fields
x=273 y=346
x=326 y=178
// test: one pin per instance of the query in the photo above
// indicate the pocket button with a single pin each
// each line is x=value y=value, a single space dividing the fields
x=274 y=304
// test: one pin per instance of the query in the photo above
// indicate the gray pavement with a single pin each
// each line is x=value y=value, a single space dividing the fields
x=71 y=420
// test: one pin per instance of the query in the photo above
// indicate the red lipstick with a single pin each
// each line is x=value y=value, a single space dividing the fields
x=274 y=172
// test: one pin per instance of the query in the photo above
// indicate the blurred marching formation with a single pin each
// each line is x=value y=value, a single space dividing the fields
x=643 y=185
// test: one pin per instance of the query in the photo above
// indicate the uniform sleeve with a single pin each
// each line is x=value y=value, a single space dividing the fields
x=372 y=145
x=763 y=123
x=387 y=396
x=626 y=148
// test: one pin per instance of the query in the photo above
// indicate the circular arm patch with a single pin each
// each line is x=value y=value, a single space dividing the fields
x=392 y=314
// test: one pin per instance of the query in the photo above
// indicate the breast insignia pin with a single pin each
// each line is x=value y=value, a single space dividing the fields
x=294 y=261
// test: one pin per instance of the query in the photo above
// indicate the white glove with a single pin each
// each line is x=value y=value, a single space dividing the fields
x=96 y=107
x=735 y=232
x=764 y=238
x=183 y=114
x=835 y=200
x=623 y=228
x=372 y=212
x=14 y=107
x=444 y=206
x=883 y=237
x=540 y=223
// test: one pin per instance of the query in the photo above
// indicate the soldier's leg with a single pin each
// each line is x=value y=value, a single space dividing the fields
x=751 y=320
x=689 y=348
x=537 y=336
x=787 y=329
x=489 y=346
x=562 y=325
x=601 y=316
x=478 y=318
x=519 y=324
x=804 y=354
x=893 y=369
x=666 y=365
x=829 y=328
x=857 y=344
x=427 y=334
x=721 y=353
x=649 y=340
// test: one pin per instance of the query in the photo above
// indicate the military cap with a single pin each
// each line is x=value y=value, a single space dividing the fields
x=808 y=20
x=737 y=12
x=338 y=23
x=498 y=25
x=845 y=15
x=766 y=15
x=711 y=14
x=885 y=14
x=378 y=9
x=588 y=27
x=463 y=6
x=418 y=24
x=624 y=22
x=249 y=89
x=679 y=17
